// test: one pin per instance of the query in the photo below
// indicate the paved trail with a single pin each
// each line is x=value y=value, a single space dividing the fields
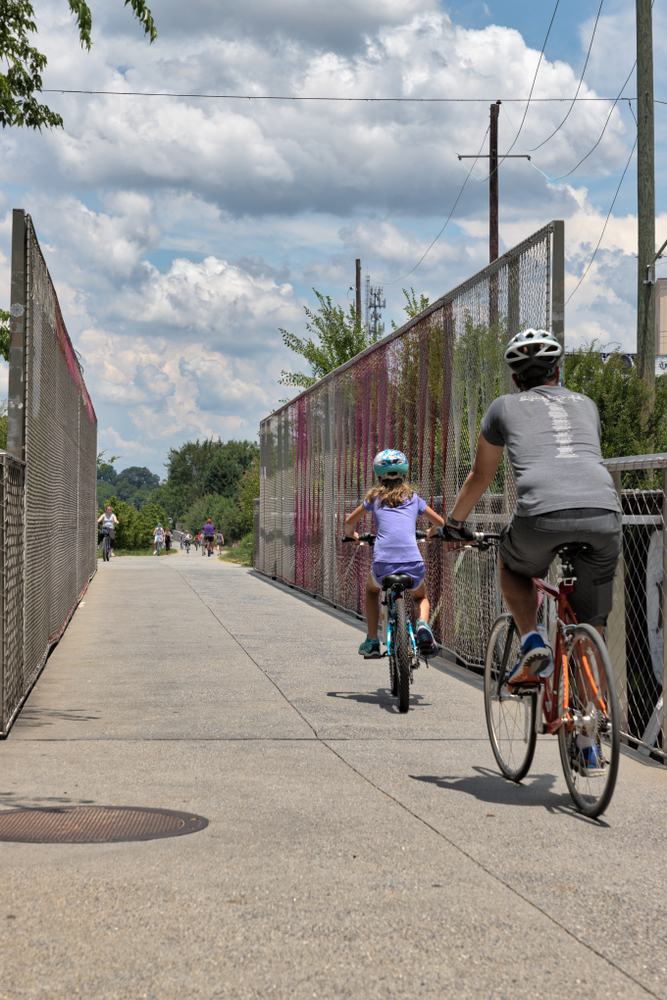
x=352 y=852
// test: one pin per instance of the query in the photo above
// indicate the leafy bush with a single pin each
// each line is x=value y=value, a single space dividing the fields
x=135 y=529
x=631 y=425
x=248 y=492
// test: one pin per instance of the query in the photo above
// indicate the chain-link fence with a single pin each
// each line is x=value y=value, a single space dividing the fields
x=48 y=551
x=636 y=625
x=424 y=390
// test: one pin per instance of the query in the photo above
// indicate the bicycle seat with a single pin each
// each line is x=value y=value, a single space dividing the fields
x=398 y=581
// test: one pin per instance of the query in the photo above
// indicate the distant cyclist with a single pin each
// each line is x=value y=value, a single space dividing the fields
x=158 y=538
x=197 y=541
x=208 y=534
x=186 y=538
x=564 y=494
x=395 y=507
x=108 y=520
x=219 y=541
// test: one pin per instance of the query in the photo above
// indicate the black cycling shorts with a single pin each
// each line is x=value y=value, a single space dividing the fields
x=528 y=547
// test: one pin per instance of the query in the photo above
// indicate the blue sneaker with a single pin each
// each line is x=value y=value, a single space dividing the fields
x=534 y=658
x=587 y=761
x=425 y=640
x=370 y=649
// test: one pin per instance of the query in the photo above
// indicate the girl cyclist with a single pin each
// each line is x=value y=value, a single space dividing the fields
x=395 y=507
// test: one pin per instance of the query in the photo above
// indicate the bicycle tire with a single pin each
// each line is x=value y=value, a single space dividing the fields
x=105 y=549
x=587 y=655
x=402 y=646
x=510 y=718
x=393 y=675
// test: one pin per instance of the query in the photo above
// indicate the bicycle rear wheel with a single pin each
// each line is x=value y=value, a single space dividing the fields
x=510 y=718
x=402 y=646
x=592 y=704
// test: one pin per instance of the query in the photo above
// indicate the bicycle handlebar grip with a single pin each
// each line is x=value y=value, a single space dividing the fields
x=421 y=534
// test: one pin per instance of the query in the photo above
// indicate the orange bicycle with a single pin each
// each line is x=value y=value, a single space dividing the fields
x=578 y=702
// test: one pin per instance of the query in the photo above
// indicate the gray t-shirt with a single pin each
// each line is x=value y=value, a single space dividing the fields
x=552 y=436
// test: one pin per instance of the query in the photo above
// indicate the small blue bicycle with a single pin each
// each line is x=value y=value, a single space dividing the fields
x=397 y=633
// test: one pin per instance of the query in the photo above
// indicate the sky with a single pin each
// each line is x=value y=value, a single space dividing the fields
x=183 y=233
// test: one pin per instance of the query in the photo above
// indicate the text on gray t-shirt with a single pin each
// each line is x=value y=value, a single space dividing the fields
x=552 y=436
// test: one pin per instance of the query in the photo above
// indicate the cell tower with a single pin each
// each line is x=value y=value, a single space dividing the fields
x=375 y=303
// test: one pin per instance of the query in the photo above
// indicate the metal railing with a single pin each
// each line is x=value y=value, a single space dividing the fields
x=48 y=548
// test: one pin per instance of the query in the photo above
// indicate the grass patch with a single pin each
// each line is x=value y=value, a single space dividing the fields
x=242 y=554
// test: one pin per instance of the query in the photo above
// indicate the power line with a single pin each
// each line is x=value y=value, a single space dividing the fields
x=605 y=223
x=383 y=281
x=367 y=100
x=592 y=149
x=581 y=80
x=532 y=86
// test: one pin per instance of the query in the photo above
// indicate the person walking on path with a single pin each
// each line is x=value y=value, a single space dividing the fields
x=167 y=541
x=219 y=541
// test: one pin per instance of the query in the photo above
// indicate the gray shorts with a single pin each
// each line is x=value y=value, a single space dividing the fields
x=528 y=547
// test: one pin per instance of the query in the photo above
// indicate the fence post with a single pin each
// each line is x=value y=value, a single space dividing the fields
x=616 y=629
x=558 y=283
x=16 y=392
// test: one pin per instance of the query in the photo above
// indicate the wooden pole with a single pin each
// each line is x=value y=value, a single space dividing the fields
x=645 y=196
x=358 y=304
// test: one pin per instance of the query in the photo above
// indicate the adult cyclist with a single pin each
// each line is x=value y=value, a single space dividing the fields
x=208 y=534
x=108 y=520
x=564 y=494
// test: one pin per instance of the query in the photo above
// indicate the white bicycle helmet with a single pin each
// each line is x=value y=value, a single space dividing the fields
x=533 y=349
x=390 y=464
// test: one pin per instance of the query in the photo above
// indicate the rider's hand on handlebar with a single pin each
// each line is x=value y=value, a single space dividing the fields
x=455 y=538
x=354 y=538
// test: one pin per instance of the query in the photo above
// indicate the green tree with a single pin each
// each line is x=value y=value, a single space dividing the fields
x=106 y=463
x=189 y=466
x=339 y=338
x=4 y=334
x=25 y=64
x=146 y=522
x=413 y=305
x=247 y=494
x=126 y=529
x=224 y=513
x=631 y=425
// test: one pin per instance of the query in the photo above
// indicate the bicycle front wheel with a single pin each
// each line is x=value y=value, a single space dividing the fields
x=590 y=743
x=402 y=658
x=510 y=718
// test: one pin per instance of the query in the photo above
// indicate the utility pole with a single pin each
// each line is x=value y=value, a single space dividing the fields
x=493 y=183
x=358 y=287
x=492 y=157
x=645 y=197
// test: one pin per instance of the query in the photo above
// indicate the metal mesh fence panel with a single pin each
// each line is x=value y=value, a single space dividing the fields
x=424 y=390
x=52 y=426
x=636 y=636
x=12 y=581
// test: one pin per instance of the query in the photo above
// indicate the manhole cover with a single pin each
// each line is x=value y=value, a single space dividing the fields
x=95 y=824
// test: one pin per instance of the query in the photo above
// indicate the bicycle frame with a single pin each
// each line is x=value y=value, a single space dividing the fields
x=551 y=714
x=388 y=607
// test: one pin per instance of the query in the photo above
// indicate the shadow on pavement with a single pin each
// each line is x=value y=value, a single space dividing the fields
x=489 y=786
x=382 y=698
x=35 y=717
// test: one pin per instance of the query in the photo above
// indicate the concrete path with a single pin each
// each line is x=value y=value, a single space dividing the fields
x=352 y=852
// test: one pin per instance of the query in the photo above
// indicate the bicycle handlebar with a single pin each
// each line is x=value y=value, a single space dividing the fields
x=483 y=539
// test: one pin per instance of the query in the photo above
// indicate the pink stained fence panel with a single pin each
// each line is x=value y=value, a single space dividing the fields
x=422 y=389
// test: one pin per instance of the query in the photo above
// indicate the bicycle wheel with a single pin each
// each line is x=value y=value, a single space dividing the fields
x=592 y=704
x=402 y=647
x=510 y=718
x=105 y=549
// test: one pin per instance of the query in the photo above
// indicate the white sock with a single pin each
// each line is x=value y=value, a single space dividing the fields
x=526 y=636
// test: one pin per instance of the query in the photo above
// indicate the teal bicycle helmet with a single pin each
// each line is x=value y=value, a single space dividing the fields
x=390 y=464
